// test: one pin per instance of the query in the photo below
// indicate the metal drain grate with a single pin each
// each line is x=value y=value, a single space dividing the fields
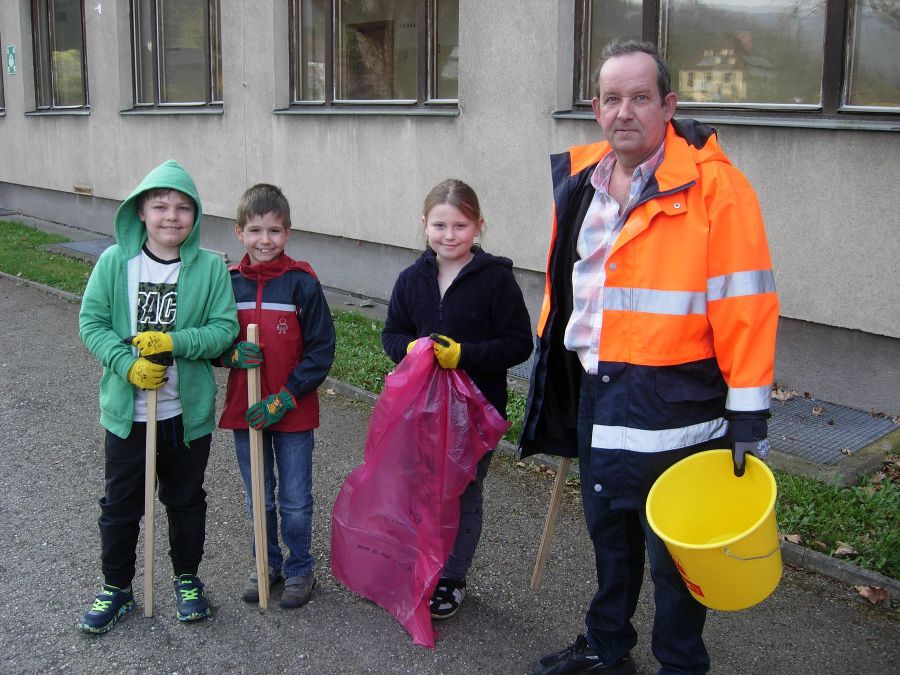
x=824 y=438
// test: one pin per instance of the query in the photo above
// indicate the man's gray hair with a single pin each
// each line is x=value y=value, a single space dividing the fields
x=623 y=47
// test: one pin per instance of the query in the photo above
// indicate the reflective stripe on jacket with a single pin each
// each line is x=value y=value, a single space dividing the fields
x=689 y=316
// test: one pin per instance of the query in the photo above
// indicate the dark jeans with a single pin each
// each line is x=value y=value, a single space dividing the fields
x=471 y=517
x=180 y=471
x=620 y=537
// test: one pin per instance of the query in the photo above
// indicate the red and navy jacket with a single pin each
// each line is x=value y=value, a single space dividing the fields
x=296 y=335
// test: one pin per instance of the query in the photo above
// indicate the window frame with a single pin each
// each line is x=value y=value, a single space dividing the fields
x=425 y=102
x=2 y=75
x=214 y=99
x=831 y=112
x=40 y=76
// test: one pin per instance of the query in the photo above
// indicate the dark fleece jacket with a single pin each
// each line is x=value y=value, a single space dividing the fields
x=483 y=310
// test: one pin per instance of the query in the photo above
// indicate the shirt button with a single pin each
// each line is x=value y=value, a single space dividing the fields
x=677 y=205
x=598 y=487
x=612 y=266
x=604 y=379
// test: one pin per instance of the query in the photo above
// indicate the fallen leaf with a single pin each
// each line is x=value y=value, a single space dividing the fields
x=520 y=464
x=793 y=538
x=820 y=544
x=550 y=472
x=845 y=451
x=330 y=392
x=818 y=410
x=874 y=594
x=844 y=549
x=783 y=395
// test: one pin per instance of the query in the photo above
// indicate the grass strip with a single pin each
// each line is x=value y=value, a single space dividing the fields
x=22 y=255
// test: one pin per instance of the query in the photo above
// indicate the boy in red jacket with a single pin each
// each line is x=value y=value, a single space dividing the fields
x=296 y=334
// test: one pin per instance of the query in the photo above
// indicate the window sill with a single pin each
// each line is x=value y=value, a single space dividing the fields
x=443 y=111
x=174 y=110
x=56 y=112
x=760 y=121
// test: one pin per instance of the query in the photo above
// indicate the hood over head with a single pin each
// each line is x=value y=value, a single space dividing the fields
x=130 y=230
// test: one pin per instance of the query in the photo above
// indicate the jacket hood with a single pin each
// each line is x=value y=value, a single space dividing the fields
x=481 y=259
x=130 y=230
x=272 y=269
x=689 y=136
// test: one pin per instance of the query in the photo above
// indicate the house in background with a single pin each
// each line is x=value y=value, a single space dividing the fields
x=358 y=107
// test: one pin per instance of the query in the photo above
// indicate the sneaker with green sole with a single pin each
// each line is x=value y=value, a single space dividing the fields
x=110 y=604
x=189 y=598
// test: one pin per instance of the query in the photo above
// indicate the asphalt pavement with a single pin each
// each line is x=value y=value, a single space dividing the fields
x=52 y=475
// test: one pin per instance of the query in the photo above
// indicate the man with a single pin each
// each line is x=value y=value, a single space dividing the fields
x=656 y=341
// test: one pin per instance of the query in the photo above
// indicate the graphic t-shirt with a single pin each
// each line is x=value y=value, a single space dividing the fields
x=157 y=302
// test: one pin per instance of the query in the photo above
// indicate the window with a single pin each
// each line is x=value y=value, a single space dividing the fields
x=378 y=52
x=2 y=70
x=803 y=58
x=60 y=73
x=177 y=53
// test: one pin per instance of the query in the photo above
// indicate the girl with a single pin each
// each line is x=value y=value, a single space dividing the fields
x=472 y=301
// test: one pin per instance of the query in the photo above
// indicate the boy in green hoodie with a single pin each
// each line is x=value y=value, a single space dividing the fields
x=172 y=301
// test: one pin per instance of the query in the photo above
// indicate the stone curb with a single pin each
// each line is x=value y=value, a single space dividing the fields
x=793 y=554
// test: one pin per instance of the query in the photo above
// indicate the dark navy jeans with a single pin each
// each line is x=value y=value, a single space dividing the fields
x=180 y=471
x=471 y=517
x=620 y=537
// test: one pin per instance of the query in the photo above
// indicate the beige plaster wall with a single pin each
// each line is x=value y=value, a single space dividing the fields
x=829 y=196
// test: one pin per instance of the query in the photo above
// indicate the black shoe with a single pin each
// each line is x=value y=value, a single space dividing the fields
x=189 y=598
x=297 y=591
x=580 y=658
x=109 y=605
x=447 y=598
x=251 y=590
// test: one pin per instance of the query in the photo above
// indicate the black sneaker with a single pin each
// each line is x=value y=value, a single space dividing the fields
x=111 y=603
x=189 y=598
x=297 y=591
x=580 y=658
x=447 y=598
x=251 y=590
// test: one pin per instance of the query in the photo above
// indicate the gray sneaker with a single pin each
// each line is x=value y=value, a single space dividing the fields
x=251 y=590
x=297 y=591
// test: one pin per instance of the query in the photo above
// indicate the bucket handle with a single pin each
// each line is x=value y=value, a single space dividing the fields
x=752 y=557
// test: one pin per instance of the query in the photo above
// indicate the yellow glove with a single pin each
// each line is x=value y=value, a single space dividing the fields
x=152 y=342
x=447 y=350
x=410 y=346
x=145 y=374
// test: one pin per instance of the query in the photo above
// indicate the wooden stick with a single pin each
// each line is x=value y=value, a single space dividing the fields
x=550 y=522
x=257 y=482
x=149 y=502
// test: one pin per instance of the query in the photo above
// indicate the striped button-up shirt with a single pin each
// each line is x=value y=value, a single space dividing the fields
x=599 y=229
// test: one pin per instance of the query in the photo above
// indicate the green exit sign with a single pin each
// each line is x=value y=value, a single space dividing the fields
x=11 y=59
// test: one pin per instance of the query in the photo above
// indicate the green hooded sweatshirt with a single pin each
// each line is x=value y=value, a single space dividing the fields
x=205 y=320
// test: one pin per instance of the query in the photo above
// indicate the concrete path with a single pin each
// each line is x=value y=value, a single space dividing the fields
x=52 y=476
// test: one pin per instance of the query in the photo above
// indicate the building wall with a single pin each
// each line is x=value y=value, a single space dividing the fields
x=356 y=182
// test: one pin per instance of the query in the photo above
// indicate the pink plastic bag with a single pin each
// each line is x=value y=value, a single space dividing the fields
x=396 y=516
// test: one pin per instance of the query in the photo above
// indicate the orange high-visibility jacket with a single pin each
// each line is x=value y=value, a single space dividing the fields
x=687 y=341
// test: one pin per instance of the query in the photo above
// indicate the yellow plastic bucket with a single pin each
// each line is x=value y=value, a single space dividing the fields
x=720 y=529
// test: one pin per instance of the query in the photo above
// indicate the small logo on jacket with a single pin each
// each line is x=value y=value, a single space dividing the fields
x=282 y=326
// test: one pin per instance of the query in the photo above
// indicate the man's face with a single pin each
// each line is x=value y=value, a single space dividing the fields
x=629 y=108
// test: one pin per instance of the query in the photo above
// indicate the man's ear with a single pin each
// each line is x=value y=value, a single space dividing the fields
x=669 y=105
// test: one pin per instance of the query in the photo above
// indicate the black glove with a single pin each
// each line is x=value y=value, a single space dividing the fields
x=759 y=449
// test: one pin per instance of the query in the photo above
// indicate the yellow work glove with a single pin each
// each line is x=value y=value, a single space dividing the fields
x=151 y=343
x=145 y=374
x=410 y=346
x=447 y=350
